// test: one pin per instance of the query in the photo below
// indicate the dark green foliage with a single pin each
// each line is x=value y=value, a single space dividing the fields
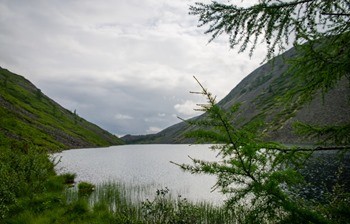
x=339 y=207
x=260 y=178
x=27 y=166
x=39 y=94
x=54 y=184
x=321 y=64
x=68 y=178
x=275 y=23
x=30 y=192
x=331 y=134
x=85 y=188
x=77 y=210
x=319 y=30
x=25 y=173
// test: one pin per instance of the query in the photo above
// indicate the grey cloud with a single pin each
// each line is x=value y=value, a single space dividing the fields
x=125 y=65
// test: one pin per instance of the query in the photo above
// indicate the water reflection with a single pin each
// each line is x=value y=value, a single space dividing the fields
x=144 y=165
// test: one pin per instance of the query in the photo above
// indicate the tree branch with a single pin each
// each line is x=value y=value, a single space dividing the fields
x=320 y=148
x=335 y=14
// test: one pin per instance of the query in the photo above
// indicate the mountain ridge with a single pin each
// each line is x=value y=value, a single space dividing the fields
x=258 y=94
x=27 y=114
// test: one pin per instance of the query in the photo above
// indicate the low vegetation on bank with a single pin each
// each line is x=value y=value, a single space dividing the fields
x=31 y=192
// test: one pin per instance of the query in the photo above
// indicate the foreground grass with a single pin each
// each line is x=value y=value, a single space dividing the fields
x=31 y=192
x=114 y=203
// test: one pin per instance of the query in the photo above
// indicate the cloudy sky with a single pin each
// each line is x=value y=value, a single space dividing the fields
x=126 y=65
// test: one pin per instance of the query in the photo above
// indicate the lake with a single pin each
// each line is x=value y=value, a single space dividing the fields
x=147 y=166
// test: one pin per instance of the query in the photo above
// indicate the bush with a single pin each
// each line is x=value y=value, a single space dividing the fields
x=68 y=178
x=54 y=184
x=85 y=188
x=7 y=189
x=24 y=172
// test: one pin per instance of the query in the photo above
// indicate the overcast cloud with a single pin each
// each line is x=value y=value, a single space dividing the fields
x=125 y=65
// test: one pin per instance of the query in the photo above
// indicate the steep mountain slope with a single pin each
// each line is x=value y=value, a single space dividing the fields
x=259 y=95
x=26 y=114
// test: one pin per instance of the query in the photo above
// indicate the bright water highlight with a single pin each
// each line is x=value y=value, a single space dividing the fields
x=147 y=166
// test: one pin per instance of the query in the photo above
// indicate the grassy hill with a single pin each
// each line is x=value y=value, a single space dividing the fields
x=259 y=95
x=27 y=114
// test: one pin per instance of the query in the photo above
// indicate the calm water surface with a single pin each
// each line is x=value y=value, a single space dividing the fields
x=144 y=165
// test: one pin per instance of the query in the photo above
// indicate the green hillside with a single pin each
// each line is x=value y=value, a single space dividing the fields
x=27 y=114
x=259 y=95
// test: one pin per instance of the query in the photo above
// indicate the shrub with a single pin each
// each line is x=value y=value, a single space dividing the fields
x=24 y=172
x=77 y=211
x=85 y=188
x=69 y=178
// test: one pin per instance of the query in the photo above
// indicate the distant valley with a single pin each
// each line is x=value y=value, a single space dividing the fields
x=259 y=94
x=27 y=114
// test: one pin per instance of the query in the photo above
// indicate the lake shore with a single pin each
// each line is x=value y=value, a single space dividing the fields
x=323 y=171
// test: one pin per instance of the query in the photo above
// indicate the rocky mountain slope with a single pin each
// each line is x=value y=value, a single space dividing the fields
x=259 y=95
x=26 y=114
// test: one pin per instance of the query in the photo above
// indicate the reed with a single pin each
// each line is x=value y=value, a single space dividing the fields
x=138 y=203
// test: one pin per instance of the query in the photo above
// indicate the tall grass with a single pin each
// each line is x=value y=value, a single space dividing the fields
x=129 y=202
x=31 y=192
